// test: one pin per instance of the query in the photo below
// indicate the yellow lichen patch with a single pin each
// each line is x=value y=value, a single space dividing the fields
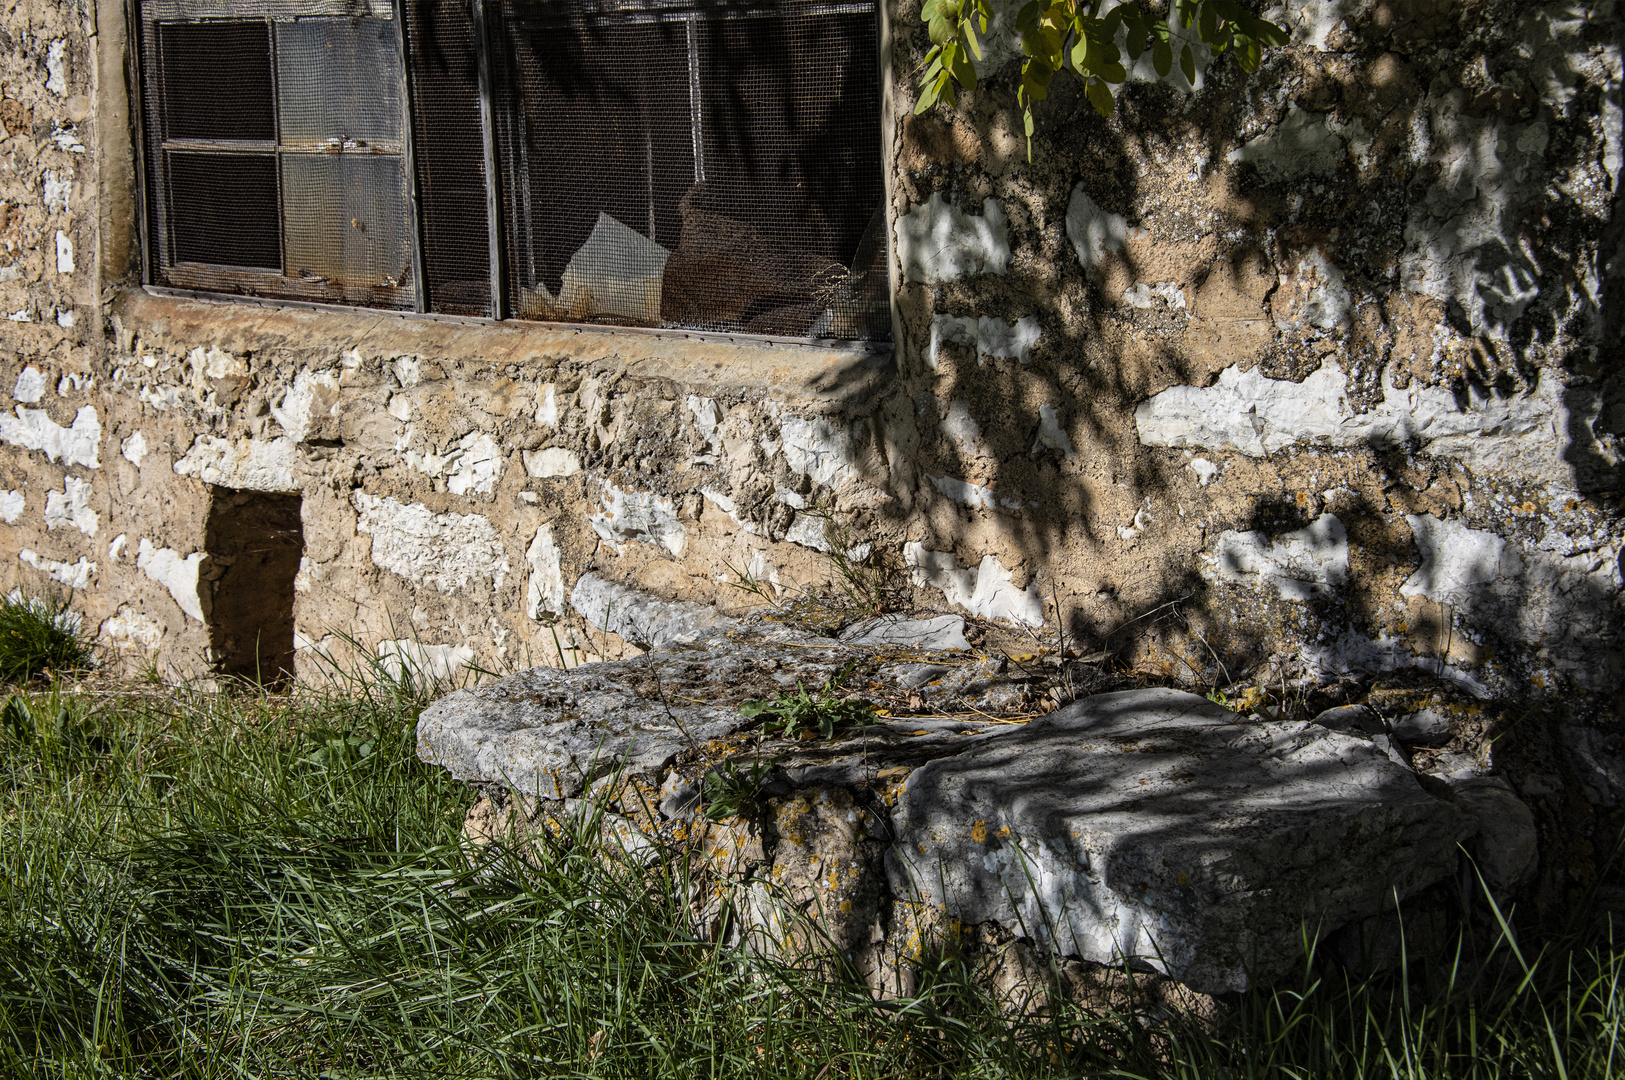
x=978 y=831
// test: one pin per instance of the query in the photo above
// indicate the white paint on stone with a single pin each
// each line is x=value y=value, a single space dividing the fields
x=1300 y=565
x=12 y=504
x=33 y=429
x=245 y=464
x=1352 y=651
x=74 y=575
x=986 y=591
x=472 y=464
x=56 y=67
x=407 y=658
x=176 y=572
x=991 y=338
x=964 y=432
x=56 y=189
x=937 y=242
x=134 y=449
x=400 y=407
x=1145 y=296
x=1204 y=469
x=1303 y=144
x=547 y=405
x=708 y=418
x=115 y=550
x=1525 y=435
x=642 y=517
x=544 y=595
x=550 y=462
x=1094 y=233
x=1458 y=561
x=1051 y=435
x=818 y=449
x=310 y=398
x=727 y=506
x=963 y=491
x=70 y=507
x=809 y=530
x=64 y=253
x=30 y=385
x=450 y=551
x=129 y=629
x=1322 y=298
x=1142 y=521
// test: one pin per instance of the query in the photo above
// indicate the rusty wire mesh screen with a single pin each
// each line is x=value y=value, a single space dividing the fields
x=712 y=166
x=275 y=152
x=450 y=156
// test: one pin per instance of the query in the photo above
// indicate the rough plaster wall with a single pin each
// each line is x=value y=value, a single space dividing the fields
x=1210 y=379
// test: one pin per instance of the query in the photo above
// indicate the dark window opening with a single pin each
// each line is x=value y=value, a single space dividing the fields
x=255 y=541
x=703 y=165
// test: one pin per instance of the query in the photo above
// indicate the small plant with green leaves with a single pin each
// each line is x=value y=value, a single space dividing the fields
x=40 y=634
x=730 y=791
x=1074 y=35
x=823 y=714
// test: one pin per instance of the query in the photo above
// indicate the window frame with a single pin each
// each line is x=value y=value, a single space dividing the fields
x=417 y=306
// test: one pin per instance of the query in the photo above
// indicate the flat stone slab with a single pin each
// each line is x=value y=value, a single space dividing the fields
x=1156 y=825
x=1148 y=824
x=549 y=732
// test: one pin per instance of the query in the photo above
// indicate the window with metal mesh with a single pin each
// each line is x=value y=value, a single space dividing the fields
x=706 y=165
x=275 y=135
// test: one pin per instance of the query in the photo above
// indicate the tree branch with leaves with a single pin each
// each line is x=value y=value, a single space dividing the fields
x=1060 y=35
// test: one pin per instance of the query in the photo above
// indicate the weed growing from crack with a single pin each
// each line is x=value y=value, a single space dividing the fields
x=730 y=791
x=822 y=714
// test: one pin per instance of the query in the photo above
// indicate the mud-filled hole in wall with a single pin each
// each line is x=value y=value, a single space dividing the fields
x=255 y=540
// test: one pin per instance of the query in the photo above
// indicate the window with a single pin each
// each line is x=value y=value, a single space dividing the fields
x=702 y=164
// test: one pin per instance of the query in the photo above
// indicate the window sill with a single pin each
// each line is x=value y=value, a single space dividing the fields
x=825 y=374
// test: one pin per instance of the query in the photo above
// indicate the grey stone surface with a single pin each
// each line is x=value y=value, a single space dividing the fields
x=1361 y=720
x=942 y=632
x=1504 y=846
x=548 y=732
x=1424 y=727
x=641 y=619
x=1153 y=824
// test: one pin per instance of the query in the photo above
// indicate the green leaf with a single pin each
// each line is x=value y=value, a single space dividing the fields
x=963 y=69
x=1100 y=96
x=1112 y=73
x=1207 y=27
x=1270 y=34
x=1162 y=58
x=1119 y=16
x=941 y=30
x=1080 y=54
x=757 y=708
x=1187 y=64
x=1028 y=16
x=970 y=39
x=1136 y=40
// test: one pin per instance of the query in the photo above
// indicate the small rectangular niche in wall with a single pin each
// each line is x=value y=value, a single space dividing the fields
x=255 y=541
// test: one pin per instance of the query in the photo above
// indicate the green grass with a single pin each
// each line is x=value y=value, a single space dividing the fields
x=38 y=635
x=208 y=885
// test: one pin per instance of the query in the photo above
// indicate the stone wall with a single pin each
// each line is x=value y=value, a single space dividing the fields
x=1320 y=364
